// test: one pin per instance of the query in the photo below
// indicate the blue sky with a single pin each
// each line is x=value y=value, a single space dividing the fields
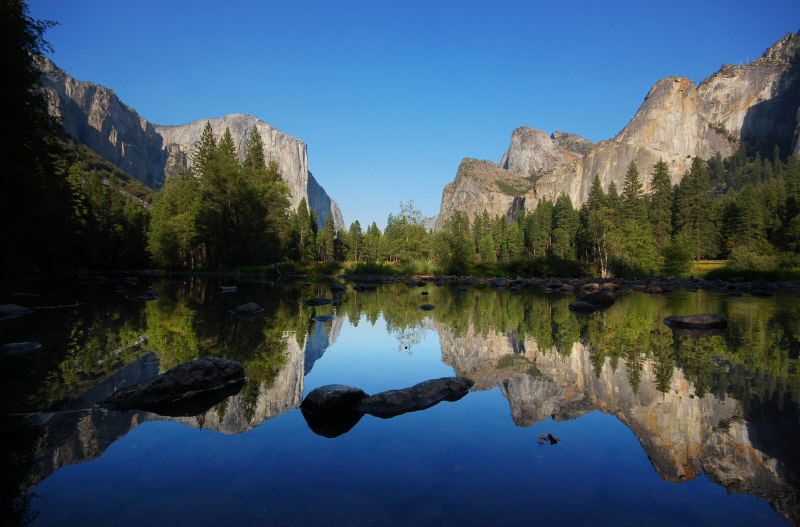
x=391 y=96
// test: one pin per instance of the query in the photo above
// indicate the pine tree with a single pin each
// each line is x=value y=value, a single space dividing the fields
x=597 y=198
x=328 y=238
x=486 y=249
x=254 y=157
x=661 y=203
x=356 y=239
x=205 y=151
x=693 y=208
x=542 y=228
x=633 y=206
x=613 y=199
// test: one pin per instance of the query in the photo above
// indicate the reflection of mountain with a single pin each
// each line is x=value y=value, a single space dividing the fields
x=681 y=433
x=83 y=434
x=323 y=335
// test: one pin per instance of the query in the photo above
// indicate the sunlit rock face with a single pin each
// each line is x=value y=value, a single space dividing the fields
x=746 y=105
x=95 y=116
x=683 y=434
x=477 y=187
x=290 y=153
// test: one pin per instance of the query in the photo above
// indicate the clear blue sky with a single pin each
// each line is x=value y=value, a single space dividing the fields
x=391 y=96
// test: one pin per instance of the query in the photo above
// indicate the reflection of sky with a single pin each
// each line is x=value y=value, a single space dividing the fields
x=460 y=463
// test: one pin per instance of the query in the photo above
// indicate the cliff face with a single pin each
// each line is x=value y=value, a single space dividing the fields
x=96 y=117
x=479 y=186
x=750 y=105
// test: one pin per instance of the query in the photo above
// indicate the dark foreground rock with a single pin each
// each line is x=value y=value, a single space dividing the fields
x=332 y=397
x=427 y=307
x=188 y=389
x=9 y=311
x=704 y=321
x=248 y=311
x=418 y=397
x=19 y=348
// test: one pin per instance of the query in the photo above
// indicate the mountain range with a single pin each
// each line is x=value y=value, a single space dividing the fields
x=755 y=106
x=96 y=117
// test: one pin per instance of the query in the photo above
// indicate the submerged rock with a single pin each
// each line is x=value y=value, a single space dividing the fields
x=228 y=288
x=9 y=311
x=332 y=397
x=248 y=311
x=147 y=296
x=365 y=287
x=601 y=299
x=427 y=307
x=19 y=348
x=418 y=397
x=319 y=301
x=704 y=321
x=182 y=390
x=582 y=307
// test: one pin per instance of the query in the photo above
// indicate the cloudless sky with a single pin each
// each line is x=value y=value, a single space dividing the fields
x=390 y=96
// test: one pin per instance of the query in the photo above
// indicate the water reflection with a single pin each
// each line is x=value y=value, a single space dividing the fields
x=725 y=404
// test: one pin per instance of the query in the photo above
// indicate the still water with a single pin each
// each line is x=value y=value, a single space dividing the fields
x=653 y=428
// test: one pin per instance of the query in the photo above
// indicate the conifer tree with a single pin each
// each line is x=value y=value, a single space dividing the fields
x=661 y=203
x=597 y=198
x=542 y=228
x=254 y=157
x=633 y=206
x=693 y=208
x=205 y=151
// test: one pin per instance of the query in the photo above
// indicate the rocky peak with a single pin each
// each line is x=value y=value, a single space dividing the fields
x=479 y=185
x=754 y=104
x=572 y=143
x=786 y=50
x=532 y=152
x=96 y=117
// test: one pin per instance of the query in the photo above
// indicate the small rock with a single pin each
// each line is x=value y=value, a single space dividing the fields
x=762 y=293
x=338 y=288
x=9 y=311
x=611 y=285
x=319 y=301
x=19 y=348
x=365 y=287
x=582 y=307
x=590 y=288
x=228 y=288
x=248 y=309
x=547 y=437
x=427 y=307
x=147 y=296
x=653 y=290
x=323 y=318
x=704 y=321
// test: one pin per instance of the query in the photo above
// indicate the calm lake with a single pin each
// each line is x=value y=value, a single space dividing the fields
x=648 y=427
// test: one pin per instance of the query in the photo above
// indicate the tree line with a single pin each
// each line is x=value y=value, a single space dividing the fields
x=63 y=206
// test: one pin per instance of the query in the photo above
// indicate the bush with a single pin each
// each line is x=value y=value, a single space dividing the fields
x=371 y=268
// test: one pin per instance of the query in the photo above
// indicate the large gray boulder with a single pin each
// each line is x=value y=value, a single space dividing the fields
x=188 y=389
x=418 y=397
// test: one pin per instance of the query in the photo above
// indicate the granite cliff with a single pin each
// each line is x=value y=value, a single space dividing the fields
x=756 y=105
x=96 y=117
